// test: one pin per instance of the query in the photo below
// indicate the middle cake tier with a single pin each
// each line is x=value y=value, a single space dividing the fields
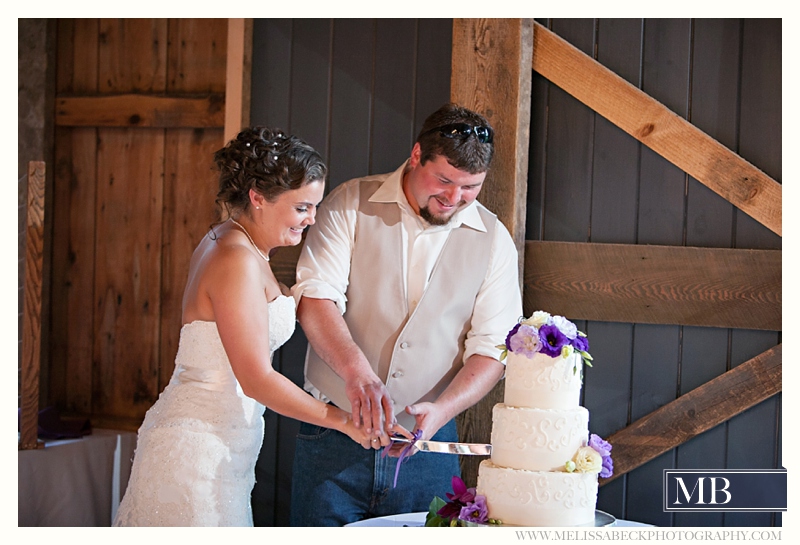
x=537 y=439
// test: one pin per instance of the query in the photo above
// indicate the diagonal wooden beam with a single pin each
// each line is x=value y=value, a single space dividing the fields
x=663 y=131
x=711 y=404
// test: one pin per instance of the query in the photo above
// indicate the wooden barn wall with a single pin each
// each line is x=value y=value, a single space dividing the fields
x=591 y=182
x=130 y=205
x=358 y=90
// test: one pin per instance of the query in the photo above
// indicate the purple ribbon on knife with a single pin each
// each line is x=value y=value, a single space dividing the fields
x=403 y=454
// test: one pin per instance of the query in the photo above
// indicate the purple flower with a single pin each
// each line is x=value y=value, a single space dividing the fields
x=461 y=492
x=552 y=340
x=608 y=467
x=461 y=497
x=511 y=334
x=600 y=445
x=603 y=448
x=525 y=341
x=475 y=511
x=580 y=343
x=450 y=510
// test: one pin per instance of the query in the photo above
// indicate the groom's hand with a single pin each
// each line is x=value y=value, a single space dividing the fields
x=429 y=417
x=371 y=404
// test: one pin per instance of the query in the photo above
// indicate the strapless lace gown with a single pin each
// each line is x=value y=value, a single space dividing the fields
x=197 y=447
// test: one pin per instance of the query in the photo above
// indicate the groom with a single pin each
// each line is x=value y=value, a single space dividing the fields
x=405 y=286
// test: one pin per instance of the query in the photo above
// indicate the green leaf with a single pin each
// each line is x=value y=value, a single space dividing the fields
x=504 y=352
x=432 y=519
x=436 y=504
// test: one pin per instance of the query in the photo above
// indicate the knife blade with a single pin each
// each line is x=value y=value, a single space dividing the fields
x=469 y=449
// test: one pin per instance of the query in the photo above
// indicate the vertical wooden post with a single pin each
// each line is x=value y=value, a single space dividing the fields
x=237 y=84
x=491 y=74
x=32 y=308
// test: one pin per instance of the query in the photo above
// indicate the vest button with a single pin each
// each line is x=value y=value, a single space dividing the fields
x=404 y=345
x=397 y=374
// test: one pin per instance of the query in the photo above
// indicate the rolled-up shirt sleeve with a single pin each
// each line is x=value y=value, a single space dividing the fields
x=323 y=269
x=498 y=305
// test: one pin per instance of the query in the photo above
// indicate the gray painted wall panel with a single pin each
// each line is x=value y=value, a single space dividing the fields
x=393 y=99
x=351 y=98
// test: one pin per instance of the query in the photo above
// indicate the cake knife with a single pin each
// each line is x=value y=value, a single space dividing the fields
x=474 y=449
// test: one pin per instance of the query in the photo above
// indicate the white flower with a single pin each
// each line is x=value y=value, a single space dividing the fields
x=569 y=466
x=566 y=327
x=538 y=319
x=588 y=460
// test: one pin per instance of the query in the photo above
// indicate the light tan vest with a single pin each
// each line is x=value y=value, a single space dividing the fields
x=415 y=356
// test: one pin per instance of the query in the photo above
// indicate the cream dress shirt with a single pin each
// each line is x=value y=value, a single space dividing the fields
x=323 y=268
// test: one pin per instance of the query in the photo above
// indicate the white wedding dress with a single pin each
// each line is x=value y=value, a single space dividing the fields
x=197 y=447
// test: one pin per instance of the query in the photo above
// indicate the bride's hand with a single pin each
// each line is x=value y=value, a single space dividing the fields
x=360 y=435
x=369 y=440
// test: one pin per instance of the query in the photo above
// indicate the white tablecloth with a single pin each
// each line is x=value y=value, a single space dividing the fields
x=75 y=482
x=418 y=519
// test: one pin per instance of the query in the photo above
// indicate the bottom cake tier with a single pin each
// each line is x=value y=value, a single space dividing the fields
x=538 y=498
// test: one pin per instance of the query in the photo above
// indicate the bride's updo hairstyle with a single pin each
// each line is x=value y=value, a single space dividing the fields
x=268 y=161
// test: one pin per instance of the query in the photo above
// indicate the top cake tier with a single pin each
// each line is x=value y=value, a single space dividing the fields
x=543 y=382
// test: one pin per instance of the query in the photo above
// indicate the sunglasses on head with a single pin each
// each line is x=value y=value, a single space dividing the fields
x=485 y=135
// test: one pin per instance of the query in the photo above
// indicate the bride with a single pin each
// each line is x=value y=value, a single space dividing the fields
x=197 y=447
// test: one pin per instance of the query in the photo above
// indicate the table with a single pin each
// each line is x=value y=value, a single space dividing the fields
x=75 y=482
x=418 y=519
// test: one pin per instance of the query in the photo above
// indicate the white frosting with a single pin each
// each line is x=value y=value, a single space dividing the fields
x=537 y=439
x=538 y=498
x=538 y=428
x=542 y=381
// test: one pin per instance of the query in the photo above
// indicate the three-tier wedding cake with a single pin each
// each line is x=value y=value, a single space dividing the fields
x=544 y=464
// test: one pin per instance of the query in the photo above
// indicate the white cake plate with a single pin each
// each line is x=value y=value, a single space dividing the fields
x=601 y=518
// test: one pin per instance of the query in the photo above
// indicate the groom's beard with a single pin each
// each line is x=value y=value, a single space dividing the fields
x=426 y=214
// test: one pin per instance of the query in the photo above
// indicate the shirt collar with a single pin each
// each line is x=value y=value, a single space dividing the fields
x=391 y=191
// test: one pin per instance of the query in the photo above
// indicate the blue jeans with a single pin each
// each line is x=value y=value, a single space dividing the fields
x=335 y=481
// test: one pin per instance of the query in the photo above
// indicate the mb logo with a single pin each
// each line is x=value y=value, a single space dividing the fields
x=725 y=490
x=716 y=486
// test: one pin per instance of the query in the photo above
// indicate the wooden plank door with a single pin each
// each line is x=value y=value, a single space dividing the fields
x=139 y=112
